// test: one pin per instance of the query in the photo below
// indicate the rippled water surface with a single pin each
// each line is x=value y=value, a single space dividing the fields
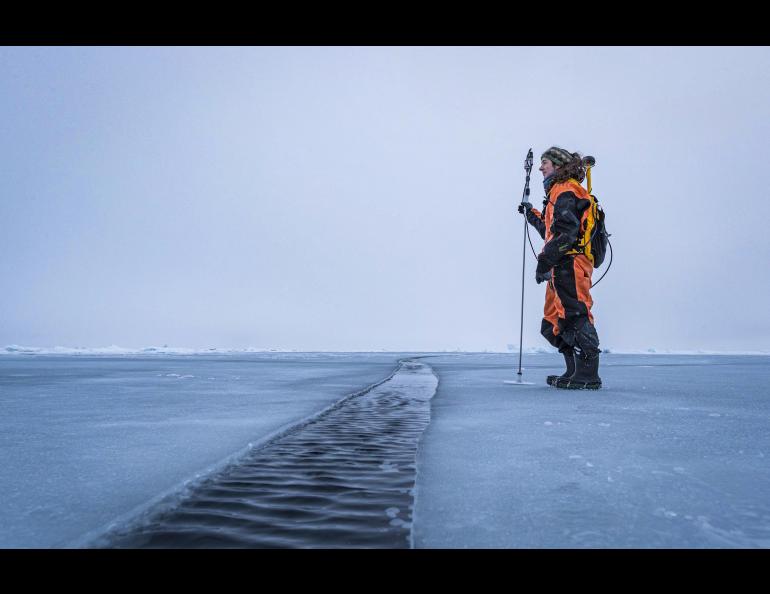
x=343 y=480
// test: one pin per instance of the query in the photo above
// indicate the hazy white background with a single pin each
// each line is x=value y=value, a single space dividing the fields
x=354 y=198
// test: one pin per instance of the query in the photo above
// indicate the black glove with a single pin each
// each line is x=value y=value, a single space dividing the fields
x=525 y=206
x=543 y=271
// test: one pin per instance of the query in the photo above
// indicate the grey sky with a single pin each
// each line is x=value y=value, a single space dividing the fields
x=342 y=198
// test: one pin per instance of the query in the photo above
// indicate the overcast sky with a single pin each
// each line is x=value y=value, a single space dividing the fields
x=353 y=198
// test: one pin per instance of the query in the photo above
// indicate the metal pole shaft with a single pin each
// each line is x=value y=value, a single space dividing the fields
x=524 y=198
x=523 y=266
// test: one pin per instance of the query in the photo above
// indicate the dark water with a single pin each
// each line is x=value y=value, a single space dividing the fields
x=344 y=480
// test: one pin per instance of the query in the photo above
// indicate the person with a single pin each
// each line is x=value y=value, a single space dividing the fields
x=563 y=263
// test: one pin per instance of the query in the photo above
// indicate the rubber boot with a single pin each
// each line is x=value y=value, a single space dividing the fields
x=586 y=376
x=569 y=359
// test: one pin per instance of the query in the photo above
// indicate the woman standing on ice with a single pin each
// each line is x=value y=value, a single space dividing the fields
x=567 y=321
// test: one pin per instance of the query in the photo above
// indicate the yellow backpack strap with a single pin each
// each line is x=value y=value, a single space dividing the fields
x=588 y=178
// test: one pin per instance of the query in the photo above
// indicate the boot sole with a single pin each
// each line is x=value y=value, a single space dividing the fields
x=569 y=385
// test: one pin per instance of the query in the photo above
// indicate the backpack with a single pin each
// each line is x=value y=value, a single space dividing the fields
x=593 y=238
x=599 y=236
x=595 y=247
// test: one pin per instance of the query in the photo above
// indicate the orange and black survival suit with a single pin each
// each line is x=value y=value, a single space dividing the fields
x=567 y=320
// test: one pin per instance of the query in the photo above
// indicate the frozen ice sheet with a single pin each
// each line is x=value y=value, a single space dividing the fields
x=672 y=452
x=84 y=440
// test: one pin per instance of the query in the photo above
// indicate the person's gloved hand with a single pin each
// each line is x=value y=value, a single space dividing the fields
x=525 y=206
x=543 y=271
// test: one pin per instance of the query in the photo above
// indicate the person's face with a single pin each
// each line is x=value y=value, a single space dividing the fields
x=546 y=167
